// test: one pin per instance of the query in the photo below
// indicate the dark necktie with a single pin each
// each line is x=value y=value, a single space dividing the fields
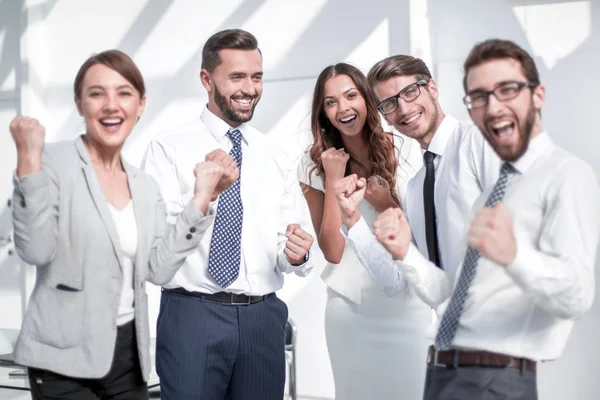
x=226 y=243
x=451 y=317
x=429 y=208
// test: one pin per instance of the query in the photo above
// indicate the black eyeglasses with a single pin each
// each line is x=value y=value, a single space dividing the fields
x=502 y=92
x=407 y=94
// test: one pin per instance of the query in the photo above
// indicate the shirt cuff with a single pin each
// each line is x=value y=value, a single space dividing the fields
x=526 y=268
x=359 y=231
x=409 y=265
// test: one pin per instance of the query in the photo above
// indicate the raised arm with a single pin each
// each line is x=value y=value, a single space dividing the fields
x=430 y=283
x=324 y=211
x=557 y=271
x=35 y=195
x=293 y=239
x=179 y=230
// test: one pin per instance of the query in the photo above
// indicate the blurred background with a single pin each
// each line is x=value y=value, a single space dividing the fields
x=43 y=43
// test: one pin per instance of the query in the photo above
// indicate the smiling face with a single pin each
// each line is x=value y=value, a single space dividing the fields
x=507 y=125
x=235 y=85
x=344 y=105
x=110 y=106
x=417 y=119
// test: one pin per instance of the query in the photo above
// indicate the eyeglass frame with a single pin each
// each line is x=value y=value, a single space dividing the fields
x=487 y=93
x=417 y=84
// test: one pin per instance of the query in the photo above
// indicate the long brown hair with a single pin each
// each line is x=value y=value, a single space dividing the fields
x=381 y=149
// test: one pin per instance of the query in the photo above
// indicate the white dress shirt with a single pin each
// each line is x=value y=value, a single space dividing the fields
x=528 y=308
x=465 y=165
x=270 y=194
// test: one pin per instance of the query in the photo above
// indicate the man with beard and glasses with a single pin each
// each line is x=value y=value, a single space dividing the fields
x=529 y=254
x=220 y=330
x=458 y=166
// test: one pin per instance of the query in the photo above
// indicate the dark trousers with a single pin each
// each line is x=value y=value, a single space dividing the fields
x=479 y=383
x=214 y=351
x=123 y=382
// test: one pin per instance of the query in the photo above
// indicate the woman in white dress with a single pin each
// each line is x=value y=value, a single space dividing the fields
x=375 y=342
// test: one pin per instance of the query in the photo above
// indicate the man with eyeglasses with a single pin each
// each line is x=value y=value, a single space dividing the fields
x=531 y=248
x=458 y=166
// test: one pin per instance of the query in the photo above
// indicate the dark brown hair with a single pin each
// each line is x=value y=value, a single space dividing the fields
x=325 y=135
x=399 y=65
x=495 y=49
x=117 y=61
x=236 y=39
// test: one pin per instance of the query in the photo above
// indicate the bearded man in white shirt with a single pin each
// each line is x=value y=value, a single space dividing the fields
x=528 y=269
x=221 y=328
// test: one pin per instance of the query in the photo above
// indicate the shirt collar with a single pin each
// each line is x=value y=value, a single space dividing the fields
x=442 y=135
x=219 y=128
x=537 y=146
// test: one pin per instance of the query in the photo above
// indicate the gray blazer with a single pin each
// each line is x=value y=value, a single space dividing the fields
x=62 y=224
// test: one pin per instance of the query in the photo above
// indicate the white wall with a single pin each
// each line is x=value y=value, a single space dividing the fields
x=43 y=43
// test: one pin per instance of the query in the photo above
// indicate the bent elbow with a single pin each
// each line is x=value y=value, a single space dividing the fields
x=578 y=310
x=333 y=258
x=36 y=258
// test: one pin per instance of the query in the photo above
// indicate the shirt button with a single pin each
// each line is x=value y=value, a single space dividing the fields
x=188 y=236
x=193 y=229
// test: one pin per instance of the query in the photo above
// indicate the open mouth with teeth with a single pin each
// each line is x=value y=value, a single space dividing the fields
x=244 y=102
x=503 y=130
x=348 y=120
x=111 y=123
x=411 y=120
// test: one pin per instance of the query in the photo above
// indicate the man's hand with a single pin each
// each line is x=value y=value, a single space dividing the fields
x=231 y=171
x=334 y=164
x=492 y=234
x=208 y=174
x=393 y=232
x=298 y=244
x=349 y=192
x=29 y=136
x=378 y=193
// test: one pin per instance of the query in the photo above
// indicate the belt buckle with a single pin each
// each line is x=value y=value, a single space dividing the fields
x=434 y=359
x=237 y=303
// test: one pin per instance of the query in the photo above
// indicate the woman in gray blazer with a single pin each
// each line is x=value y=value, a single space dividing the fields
x=97 y=230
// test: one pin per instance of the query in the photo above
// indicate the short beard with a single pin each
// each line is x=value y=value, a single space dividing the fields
x=431 y=128
x=228 y=112
x=525 y=130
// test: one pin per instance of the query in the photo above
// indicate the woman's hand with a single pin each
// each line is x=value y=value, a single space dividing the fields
x=334 y=163
x=378 y=193
x=29 y=136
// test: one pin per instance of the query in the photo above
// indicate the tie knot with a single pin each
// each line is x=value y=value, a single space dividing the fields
x=236 y=136
x=506 y=169
x=428 y=156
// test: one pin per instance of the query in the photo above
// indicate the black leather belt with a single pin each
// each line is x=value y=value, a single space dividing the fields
x=474 y=358
x=222 y=297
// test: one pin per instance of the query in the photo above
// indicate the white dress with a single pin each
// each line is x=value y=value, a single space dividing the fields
x=376 y=343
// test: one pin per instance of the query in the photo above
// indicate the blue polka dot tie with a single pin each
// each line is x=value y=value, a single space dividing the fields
x=451 y=317
x=226 y=243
